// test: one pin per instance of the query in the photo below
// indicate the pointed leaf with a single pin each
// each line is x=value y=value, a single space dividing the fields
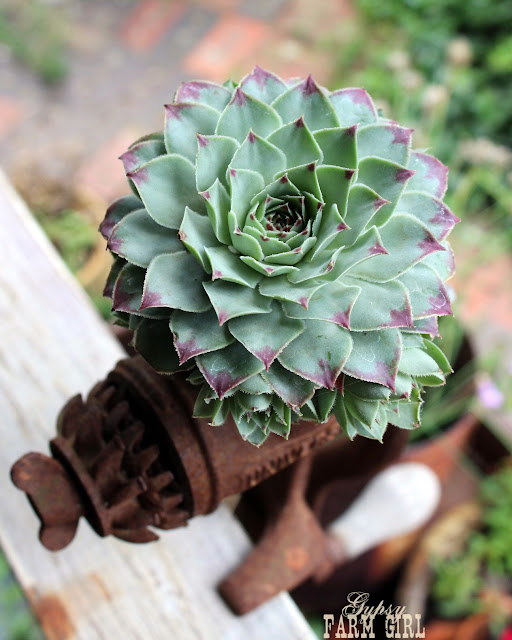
x=281 y=289
x=183 y=121
x=228 y=266
x=196 y=333
x=213 y=158
x=427 y=292
x=118 y=210
x=353 y=106
x=387 y=141
x=209 y=93
x=334 y=185
x=322 y=265
x=167 y=185
x=443 y=262
x=292 y=389
x=252 y=331
x=255 y=385
x=338 y=146
x=332 y=303
x=259 y=155
x=363 y=204
x=368 y=247
x=127 y=293
x=366 y=390
x=429 y=210
x=415 y=362
x=272 y=271
x=243 y=242
x=231 y=300
x=227 y=368
x=196 y=234
x=264 y=85
x=375 y=356
x=406 y=241
x=304 y=178
x=142 y=152
x=217 y=207
x=153 y=340
x=175 y=280
x=297 y=143
x=138 y=238
x=309 y=100
x=115 y=269
x=318 y=353
x=405 y=415
x=431 y=174
x=245 y=184
x=364 y=411
x=245 y=113
x=324 y=400
x=386 y=178
x=380 y=305
x=332 y=228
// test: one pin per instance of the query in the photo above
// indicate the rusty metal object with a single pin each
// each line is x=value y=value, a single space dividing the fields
x=131 y=457
x=294 y=546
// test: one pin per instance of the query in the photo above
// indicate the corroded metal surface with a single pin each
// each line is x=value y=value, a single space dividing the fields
x=131 y=458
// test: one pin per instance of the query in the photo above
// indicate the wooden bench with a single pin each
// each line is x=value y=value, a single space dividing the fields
x=53 y=345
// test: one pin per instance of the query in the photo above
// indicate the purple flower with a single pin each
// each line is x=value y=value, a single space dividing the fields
x=489 y=394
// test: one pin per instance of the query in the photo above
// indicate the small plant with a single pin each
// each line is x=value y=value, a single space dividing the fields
x=286 y=246
x=478 y=579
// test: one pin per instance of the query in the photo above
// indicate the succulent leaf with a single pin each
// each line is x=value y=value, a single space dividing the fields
x=287 y=246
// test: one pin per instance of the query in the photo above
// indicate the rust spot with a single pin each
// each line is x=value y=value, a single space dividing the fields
x=296 y=558
x=52 y=616
x=94 y=577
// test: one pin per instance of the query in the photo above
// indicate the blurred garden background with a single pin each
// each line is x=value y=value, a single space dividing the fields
x=81 y=79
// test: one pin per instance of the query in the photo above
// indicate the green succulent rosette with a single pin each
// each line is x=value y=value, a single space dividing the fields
x=285 y=245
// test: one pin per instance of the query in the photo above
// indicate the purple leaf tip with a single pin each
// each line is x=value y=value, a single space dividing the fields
x=377 y=249
x=251 y=136
x=380 y=203
x=239 y=97
x=349 y=173
x=203 y=141
x=309 y=86
x=174 y=110
x=402 y=175
x=351 y=131
x=300 y=122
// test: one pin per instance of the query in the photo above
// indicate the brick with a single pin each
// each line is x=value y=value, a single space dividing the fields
x=484 y=296
x=11 y=112
x=231 y=40
x=149 y=21
x=101 y=178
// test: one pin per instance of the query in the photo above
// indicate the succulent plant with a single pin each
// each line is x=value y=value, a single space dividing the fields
x=285 y=245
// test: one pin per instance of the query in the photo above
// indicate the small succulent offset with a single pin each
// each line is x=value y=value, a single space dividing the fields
x=286 y=246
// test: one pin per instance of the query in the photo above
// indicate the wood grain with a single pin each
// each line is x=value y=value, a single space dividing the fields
x=53 y=345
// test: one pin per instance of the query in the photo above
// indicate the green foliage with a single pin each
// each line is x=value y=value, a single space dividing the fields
x=16 y=619
x=486 y=560
x=72 y=234
x=478 y=100
x=445 y=404
x=34 y=33
x=449 y=78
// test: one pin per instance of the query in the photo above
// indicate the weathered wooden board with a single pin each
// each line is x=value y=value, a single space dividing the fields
x=53 y=345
